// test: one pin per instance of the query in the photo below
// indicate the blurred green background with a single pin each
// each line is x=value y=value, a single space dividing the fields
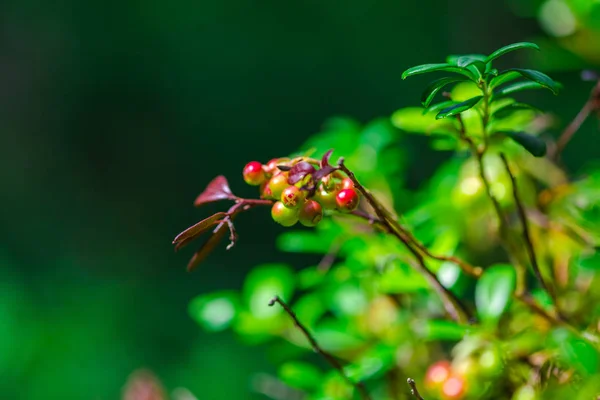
x=113 y=117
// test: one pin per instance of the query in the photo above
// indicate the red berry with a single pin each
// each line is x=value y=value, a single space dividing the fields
x=277 y=184
x=254 y=174
x=347 y=183
x=310 y=213
x=283 y=215
x=347 y=200
x=437 y=374
x=292 y=197
x=454 y=388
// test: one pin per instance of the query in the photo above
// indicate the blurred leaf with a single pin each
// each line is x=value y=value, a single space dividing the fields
x=494 y=290
x=434 y=87
x=372 y=364
x=426 y=68
x=538 y=77
x=591 y=262
x=458 y=108
x=413 y=121
x=263 y=283
x=438 y=329
x=531 y=143
x=303 y=242
x=400 y=278
x=309 y=308
x=215 y=311
x=577 y=352
x=335 y=336
x=347 y=299
x=300 y=375
x=217 y=189
x=511 y=47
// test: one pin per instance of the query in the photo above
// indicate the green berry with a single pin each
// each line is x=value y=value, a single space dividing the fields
x=326 y=199
x=310 y=213
x=292 y=197
x=254 y=174
x=347 y=200
x=277 y=184
x=283 y=215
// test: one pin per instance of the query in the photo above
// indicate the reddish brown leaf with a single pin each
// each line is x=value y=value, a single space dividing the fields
x=299 y=171
x=325 y=159
x=217 y=189
x=323 y=172
x=207 y=247
x=196 y=230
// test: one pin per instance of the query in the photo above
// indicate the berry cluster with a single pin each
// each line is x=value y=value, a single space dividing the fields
x=301 y=191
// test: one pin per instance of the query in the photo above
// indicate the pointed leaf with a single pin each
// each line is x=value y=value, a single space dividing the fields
x=517 y=87
x=509 y=108
x=299 y=171
x=196 y=230
x=439 y=106
x=453 y=59
x=217 y=189
x=207 y=247
x=539 y=77
x=511 y=47
x=458 y=108
x=434 y=87
x=532 y=144
x=425 y=68
x=325 y=158
x=504 y=77
x=494 y=290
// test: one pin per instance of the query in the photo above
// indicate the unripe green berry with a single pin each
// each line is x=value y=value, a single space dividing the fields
x=347 y=200
x=254 y=174
x=292 y=197
x=310 y=213
x=283 y=215
x=277 y=184
x=326 y=199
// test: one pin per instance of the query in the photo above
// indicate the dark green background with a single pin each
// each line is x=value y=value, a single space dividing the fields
x=114 y=115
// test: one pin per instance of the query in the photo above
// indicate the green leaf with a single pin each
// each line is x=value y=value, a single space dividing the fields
x=439 y=106
x=517 y=87
x=504 y=77
x=300 y=375
x=438 y=329
x=434 y=87
x=509 y=108
x=426 y=68
x=263 y=283
x=453 y=59
x=591 y=262
x=303 y=242
x=216 y=311
x=531 y=143
x=412 y=120
x=511 y=47
x=494 y=290
x=538 y=77
x=578 y=352
x=458 y=108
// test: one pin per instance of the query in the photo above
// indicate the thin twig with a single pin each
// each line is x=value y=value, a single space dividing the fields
x=591 y=105
x=413 y=389
x=452 y=304
x=359 y=386
x=526 y=235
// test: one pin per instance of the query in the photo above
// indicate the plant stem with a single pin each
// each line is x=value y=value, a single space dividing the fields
x=591 y=105
x=452 y=304
x=526 y=234
x=413 y=389
x=359 y=386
